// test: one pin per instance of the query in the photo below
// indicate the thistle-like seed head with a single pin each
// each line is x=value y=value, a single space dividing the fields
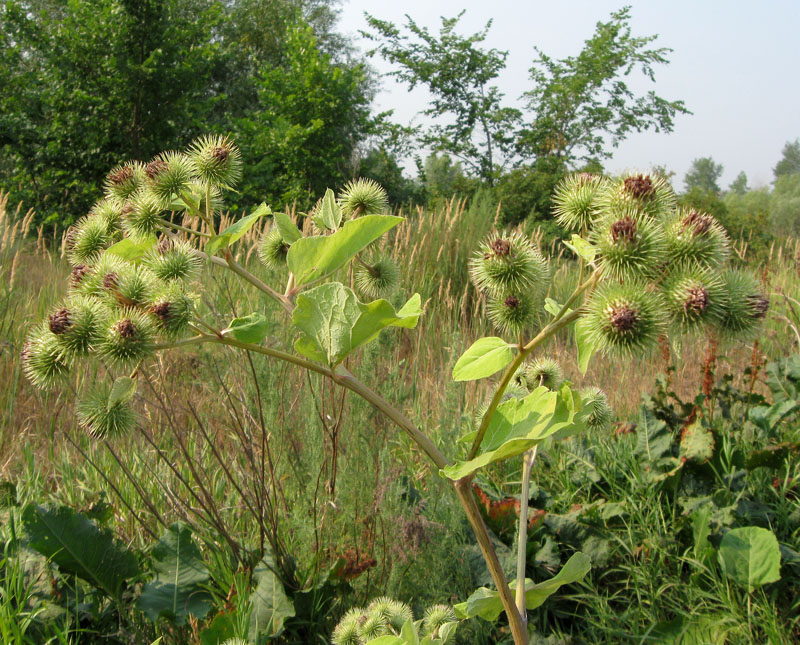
x=694 y=297
x=372 y=626
x=217 y=161
x=168 y=175
x=543 y=371
x=87 y=239
x=171 y=311
x=596 y=412
x=575 y=201
x=624 y=319
x=363 y=197
x=90 y=280
x=103 y=418
x=347 y=631
x=78 y=273
x=128 y=339
x=129 y=285
x=43 y=360
x=435 y=617
x=171 y=261
x=124 y=180
x=377 y=278
x=509 y=263
x=511 y=313
x=629 y=244
x=79 y=325
x=143 y=218
x=744 y=307
x=109 y=211
x=650 y=194
x=695 y=239
x=272 y=250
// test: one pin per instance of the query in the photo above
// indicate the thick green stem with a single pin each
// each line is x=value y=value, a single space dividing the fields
x=522 y=534
x=515 y=621
x=239 y=270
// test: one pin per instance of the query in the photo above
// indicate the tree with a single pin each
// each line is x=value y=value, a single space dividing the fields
x=582 y=107
x=703 y=175
x=785 y=205
x=739 y=185
x=311 y=115
x=469 y=121
x=790 y=162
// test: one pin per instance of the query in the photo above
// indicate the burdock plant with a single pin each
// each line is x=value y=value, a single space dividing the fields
x=644 y=270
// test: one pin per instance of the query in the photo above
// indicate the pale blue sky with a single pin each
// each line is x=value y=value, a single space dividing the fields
x=735 y=64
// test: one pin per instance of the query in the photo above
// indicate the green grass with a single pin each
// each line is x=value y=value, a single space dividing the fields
x=339 y=481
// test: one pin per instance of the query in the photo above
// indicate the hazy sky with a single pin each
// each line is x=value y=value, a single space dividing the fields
x=735 y=64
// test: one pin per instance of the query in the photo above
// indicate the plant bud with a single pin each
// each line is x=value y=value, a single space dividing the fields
x=435 y=617
x=87 y=239
x=124 y=180
x=378 y=278
x=543 y=371
x=509 y=263
x=103 y=418
x=43 y=360
x=171 y=311
x=173 y=261
x=511 y=313
x=144 y=216
x=575 y=201
x=596 y=412
x=217 y=161
x=372 y=627
x=109 y=211
x=78 y=326
x=128 y=339
x=694 y=297
x=363 y=197
x=629 y=244
x=625 y=319
x=651 y=195
x=347 y=631
x=693 y=238
x=129 y=285
x=745 y=305
x=168 y=175
x=272 y=250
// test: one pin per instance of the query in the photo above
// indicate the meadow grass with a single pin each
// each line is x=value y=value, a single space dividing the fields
x=337 y=480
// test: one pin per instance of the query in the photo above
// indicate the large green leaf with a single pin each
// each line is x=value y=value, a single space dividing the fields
x=78 y=546
x=286 y=227
x=586 y=345
x=270 y=606
x=236 y=230
x=315 y=257
x=132 y=251
x=750 y=556
x=519 y=424
x=484 y=357
x=252 y=328
x=486 y=603
x=178 y=588
x=334 y=323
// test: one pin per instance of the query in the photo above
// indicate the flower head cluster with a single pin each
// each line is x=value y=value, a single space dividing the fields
x=386 y=617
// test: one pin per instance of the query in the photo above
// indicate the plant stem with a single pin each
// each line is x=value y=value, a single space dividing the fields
x=239 y=270
x=185 y=229
x=515 y=621
x=522 y=534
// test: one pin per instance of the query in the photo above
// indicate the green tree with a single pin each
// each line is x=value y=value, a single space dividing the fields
x=380 y=165
x=469 y=120
x=311 y=115
x=89 y=84
x=739 y=185
x=581 y=106
x=785 y=205
x=790 y=161
x=703 y=174
x=747 y=217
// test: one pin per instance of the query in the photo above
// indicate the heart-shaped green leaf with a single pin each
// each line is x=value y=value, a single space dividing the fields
x=486 y=603
x=311 y=258
x=252 y=328
x=286 y=227
x=484 y=357
x=334 y=323
x=750 y=556
x=236 y=230
x=519 y=424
